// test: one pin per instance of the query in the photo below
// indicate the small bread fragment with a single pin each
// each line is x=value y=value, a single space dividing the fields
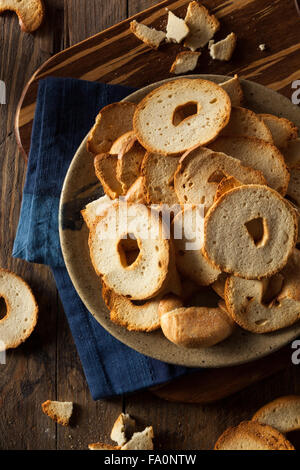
x=224 y=49
x=59 y=411
x=229 y=219
x=94 y=209
x=105 y=166
x=292 y=153
x=196 y=327
x=188 y=240
x=21 y=313
x=282 y=414
x=177 y=29
x=155 y=123
x=122 y=429
x=202 y=25
x=200 y=172
x=234 y=89
x=251 y=435
x=123 y=143
x=129 y=162
x=30 y=13
x=244 y=122
x=150 y=36
x=185 y=61
x=158 y=178
x=134 y=317
x=259 y=155
x=140 y=440
x=282 y=129
x=101 y=446
x=112 y=121
x=267 y=305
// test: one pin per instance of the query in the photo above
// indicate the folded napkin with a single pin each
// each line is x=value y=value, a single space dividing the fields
x=66 y=109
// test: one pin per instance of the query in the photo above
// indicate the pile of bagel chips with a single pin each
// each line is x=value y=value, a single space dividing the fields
x=191 y=150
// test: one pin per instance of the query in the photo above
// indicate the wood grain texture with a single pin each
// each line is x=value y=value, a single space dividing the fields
x=47 y=365
x=116 y=56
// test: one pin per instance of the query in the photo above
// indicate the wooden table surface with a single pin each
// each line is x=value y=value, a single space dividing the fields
x=47 y=365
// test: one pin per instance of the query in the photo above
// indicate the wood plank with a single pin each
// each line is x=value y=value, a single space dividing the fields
x=29 y=374
x=116 y=56
x=211 y=385
x=92 y=421
x=194 y=426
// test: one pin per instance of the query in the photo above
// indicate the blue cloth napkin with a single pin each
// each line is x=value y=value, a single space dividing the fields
x=66 y=109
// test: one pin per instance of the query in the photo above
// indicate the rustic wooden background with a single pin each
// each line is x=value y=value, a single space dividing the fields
x=47 y=365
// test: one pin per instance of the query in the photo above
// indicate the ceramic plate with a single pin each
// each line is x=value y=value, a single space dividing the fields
x=81 y=187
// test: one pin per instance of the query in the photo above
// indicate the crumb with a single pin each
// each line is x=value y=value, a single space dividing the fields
x=262 y=47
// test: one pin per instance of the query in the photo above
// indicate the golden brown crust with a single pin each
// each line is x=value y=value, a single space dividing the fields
x=111 y=122
x=35 y=313
x=225 y=185
x=196 y=327
x=105 y=166
x=30 y=15
x=271 y=305
x=134 y=29
x=258 y=146
x=248 y=433
x=102 y=446
x=118 y=305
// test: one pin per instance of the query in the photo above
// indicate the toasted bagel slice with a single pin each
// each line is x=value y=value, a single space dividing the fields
x=112 y=121
x=155 y=121
x=190 y=261
x=108 y=242
x=282 y=414
x=229 y=243
x=201 y=170
x=250 y=435
x=94 y=209
x=158 y=178
x=244 y=122
x=282 y=129
x=105 y=166
x=134 y=317
x=21 y=311
x=263 y=306
x=258 y=154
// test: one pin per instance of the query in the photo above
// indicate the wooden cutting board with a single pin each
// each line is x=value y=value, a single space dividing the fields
x=116 y=56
